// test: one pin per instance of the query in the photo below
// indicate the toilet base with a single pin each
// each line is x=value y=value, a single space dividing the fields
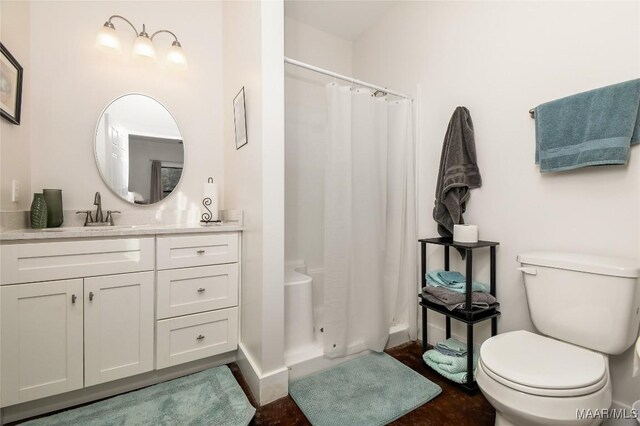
x=502 y=421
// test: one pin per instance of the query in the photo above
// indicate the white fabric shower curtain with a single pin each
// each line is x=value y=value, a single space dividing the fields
x=370 y=228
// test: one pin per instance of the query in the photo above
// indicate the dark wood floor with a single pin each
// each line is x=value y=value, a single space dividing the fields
x=452 y=407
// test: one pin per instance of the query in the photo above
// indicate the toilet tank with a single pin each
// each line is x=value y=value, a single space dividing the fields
x=590 y=301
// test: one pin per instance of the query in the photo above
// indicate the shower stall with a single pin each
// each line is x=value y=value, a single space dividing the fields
x=351 y=279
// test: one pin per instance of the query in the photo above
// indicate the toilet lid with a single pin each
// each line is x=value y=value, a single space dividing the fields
x=535 y=361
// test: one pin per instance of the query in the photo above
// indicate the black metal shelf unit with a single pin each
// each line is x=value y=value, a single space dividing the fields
x=470 y=315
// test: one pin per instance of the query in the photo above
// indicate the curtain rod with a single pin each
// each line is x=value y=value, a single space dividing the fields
x=345 y=78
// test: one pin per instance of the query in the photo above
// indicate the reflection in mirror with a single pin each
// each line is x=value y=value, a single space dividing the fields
x=139 y=149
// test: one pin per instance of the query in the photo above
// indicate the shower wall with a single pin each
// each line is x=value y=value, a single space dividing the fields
x=305 y=135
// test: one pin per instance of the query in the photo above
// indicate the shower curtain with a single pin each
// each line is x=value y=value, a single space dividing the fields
x=370 y=223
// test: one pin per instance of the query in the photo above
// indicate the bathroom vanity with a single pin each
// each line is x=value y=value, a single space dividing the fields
x=83 y=307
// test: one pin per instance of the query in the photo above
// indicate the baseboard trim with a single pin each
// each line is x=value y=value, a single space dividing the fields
x=265 y=387
x=82 y=396
x=398 y=335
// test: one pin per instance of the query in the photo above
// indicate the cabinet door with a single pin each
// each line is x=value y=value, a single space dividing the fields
x=41 y=340
x=118 y=333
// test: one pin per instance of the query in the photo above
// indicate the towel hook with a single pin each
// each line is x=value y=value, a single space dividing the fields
x=532 y=112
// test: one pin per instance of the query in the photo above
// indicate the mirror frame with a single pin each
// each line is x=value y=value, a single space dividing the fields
x=95 y=151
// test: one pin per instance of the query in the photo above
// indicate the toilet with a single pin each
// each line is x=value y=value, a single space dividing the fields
x=585 y=309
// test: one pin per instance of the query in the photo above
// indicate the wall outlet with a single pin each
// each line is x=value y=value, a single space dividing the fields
x=15 y=190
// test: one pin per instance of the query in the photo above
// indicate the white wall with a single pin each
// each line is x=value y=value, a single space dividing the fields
x=306 y=137
x=500 y=59
x=72 y=81
x=254 y=176
x=15 y=140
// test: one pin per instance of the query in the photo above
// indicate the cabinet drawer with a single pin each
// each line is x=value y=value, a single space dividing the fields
x=192 y=290
x=31 y=262
x=196 y=336
x=196 y=250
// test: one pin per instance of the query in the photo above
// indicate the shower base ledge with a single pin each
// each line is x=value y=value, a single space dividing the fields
x=311 y=359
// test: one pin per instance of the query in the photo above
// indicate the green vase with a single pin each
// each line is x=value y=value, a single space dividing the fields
x=53 y=198
x=38 y=212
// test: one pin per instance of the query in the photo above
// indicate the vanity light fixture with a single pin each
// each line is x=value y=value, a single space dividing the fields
x=143 y=45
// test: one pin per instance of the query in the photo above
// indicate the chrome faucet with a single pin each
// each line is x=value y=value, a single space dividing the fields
x=97 y=201
x=99 y=218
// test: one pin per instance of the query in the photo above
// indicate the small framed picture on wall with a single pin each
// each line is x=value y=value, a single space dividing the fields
x=10 y=86
x=240 y=119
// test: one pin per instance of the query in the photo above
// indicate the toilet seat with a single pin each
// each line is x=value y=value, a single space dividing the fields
x=540 y=365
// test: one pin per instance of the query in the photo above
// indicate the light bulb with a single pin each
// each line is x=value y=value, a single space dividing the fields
x=143 y=46
x=176 y=58
x=108 y=38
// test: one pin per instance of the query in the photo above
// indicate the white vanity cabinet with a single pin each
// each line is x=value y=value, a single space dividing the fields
x=42 y=331
x=198 y=279
x=77 y=312
x=118 y=326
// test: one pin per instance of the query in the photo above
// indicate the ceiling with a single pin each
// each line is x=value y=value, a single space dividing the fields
x=345 y=19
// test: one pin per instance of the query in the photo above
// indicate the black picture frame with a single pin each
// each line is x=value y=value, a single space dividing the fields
x=240 y=119
x=6 y=84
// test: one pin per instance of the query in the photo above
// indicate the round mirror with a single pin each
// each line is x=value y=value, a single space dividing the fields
x=139 y=149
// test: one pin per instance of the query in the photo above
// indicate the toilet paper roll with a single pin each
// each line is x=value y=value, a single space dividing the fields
x=465 y=233
x=210 y=190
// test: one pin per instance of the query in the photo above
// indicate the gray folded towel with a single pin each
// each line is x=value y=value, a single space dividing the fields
x=458 y=172
x=452 y=300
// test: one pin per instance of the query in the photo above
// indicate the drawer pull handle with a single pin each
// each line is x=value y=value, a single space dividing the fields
x=200 y=252
x=201 y=290
x=200 y=337
x=90 y=296
x=73 y=298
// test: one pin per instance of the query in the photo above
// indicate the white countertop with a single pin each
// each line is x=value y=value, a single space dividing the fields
x=114 y=231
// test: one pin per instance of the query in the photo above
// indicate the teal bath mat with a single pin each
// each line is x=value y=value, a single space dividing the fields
x=211 y=397
x=369 y=391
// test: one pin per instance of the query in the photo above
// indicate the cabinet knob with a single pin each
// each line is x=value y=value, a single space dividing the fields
x=201 y=290
x=91 y=296
x=200 y=337
x=200 y=252
x=73 y=298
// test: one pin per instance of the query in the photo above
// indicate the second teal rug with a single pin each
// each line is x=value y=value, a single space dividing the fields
x=211 y=397
x=372 y=390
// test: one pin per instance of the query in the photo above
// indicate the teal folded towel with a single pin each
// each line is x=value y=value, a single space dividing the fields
x=452 y=367
x=591 y=128
x=451 y=347
x=453 y=281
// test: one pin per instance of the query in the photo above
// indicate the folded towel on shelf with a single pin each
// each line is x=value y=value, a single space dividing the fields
x=456 y=300
x=453 y=368
x=451 y=347
x=591 y=128
x=453 y=281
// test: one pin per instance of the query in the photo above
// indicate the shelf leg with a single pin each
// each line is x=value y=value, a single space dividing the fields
x=494 y=321
x=423 y=280
x=446 y=258
x=424 y=329
x=448 y=326
x=470 y=377
x=469 y=278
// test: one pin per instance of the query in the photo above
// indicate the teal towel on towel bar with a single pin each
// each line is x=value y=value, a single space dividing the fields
x=591 y=128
